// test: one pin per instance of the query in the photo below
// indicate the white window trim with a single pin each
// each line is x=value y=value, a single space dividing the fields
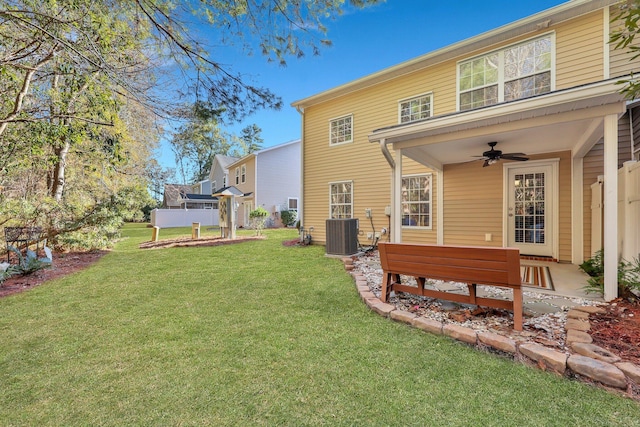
x=332 y=144
x=421 y=227
x=340 y=182
x=297 y=203
x=243 y=173
x=422 y=95
x=500 y=51
x=237 y=176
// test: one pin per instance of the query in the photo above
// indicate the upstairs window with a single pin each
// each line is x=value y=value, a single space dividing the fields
x=237 y=176
x=244 y=174
x=412 y=109
x=341 y=200
x=516 y=72
x=416 y=201
x=341 y=130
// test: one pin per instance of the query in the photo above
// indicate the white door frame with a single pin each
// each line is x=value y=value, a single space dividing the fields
x=552 y=199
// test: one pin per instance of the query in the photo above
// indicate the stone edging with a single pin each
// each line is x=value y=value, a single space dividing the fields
x=590 y=361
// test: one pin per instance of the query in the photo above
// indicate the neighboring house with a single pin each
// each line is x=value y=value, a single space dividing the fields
x=219 y=174
x=269 y=178
x=401 y=142
x=202 y=187
x=173 y=194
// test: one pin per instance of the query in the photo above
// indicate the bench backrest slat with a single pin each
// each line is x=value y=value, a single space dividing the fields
x=489 y=265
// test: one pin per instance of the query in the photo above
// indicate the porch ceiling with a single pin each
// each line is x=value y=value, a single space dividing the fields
x=559 y=121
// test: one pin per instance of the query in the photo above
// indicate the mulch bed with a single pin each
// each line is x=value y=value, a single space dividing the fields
x=618 y=330
x=63 y=264
x=202 y=241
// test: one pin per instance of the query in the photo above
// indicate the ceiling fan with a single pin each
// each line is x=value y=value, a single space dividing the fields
x=492 y=156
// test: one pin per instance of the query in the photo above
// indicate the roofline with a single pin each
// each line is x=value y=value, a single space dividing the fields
x=606 y=90
x=554 y=15
x=264 y=150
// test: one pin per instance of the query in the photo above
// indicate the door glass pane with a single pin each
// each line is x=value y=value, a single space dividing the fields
x=529 y=208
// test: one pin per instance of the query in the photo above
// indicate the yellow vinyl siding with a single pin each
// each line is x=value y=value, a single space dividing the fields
x=620 y=59
x=361 y=161
x=473 y=204
x=580 y=51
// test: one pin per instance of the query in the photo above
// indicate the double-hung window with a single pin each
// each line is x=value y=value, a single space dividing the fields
x=237 y=176
x=416 y=201
x=341 y=130
x=292 y=204
x=341 y=199
x=412 y=109
x=244 y=173
x=515 y=72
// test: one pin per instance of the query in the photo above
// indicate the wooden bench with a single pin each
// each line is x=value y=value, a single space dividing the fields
x=465 y=264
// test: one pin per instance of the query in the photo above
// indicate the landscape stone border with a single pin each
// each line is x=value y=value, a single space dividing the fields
x=587 y=360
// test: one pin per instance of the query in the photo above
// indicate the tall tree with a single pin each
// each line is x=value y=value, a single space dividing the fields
x=71 y=71
x=250 y=138
x=197 y=141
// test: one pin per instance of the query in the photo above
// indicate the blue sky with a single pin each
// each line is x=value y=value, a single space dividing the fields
x=366 y=41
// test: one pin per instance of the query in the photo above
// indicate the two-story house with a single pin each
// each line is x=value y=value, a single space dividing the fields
x=492 y=141
x=269 y=178
x=219 y=173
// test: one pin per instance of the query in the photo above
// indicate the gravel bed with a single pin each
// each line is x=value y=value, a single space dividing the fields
x=547 y=329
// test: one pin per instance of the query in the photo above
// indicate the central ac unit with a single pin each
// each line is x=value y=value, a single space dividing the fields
x=342 y=236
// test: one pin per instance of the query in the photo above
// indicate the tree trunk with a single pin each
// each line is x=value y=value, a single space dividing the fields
x=57 y=187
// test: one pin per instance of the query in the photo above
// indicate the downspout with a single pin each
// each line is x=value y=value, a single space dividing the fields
x=387 y=154
x=300 y=110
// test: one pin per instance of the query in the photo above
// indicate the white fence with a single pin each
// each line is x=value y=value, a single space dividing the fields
x=628 y=212
x=167 y=218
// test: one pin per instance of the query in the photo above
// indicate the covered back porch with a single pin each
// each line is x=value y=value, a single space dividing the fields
x=555 y=131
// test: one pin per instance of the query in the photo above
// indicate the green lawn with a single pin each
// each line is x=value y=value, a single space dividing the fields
x=254 y=334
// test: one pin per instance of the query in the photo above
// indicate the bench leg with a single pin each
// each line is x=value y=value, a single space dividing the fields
x=472 y=293
x=388 y=279
x=420 y=281
x=517 y=309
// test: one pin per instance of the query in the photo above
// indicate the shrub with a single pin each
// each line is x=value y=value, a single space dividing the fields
x=27 y=264
x=258 y=219
x=288 y=217
x=628 y=276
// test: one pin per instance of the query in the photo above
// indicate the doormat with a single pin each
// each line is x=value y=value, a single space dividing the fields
x=537 y=275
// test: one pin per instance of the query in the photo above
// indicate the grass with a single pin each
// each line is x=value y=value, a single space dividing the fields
x=253 y=334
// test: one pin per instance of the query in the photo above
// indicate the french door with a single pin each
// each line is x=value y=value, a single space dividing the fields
x=530 y=208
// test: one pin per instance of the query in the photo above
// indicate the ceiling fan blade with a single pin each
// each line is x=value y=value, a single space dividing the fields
x=512 y=157
x=486 y=163
x=514 y=154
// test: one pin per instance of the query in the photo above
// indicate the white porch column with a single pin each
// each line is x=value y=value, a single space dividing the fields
x=610 y=207
x=577 y=217
x=440 y=204
x=396 y=206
